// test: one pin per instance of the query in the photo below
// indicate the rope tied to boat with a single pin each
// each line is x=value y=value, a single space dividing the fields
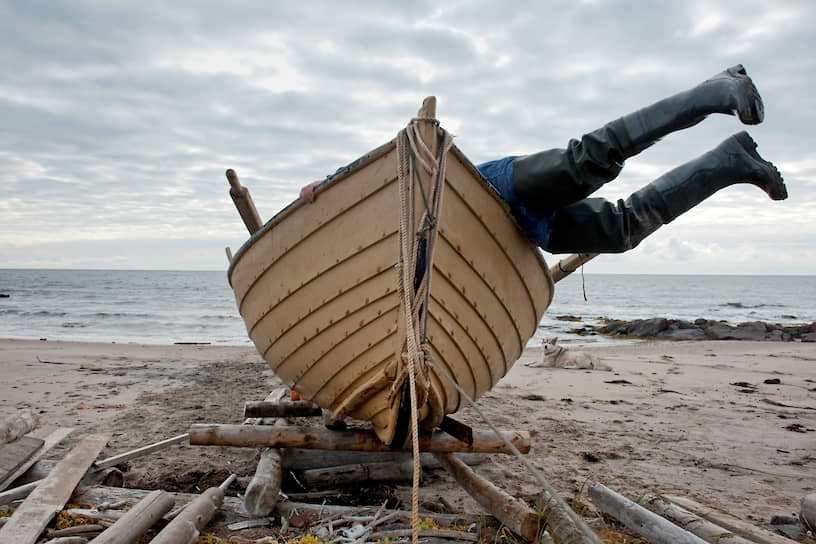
x=414 y=157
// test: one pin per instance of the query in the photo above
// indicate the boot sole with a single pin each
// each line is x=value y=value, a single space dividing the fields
x=752 y=110
x=772 y=184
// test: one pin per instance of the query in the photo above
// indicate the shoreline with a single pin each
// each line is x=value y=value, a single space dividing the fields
x=704 y=419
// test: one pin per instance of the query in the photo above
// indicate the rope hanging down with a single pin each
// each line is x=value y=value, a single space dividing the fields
x=415 y=162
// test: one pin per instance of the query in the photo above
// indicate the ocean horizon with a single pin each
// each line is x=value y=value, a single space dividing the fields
x=173 y=306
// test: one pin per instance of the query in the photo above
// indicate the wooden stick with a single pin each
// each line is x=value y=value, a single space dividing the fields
x=137 y=520
x=393 y=471
x=16 y=493
x=229 y=254
x=513 y=512
x=122 y=457
x=68 y=540
x=730 y=522
x=243 y=201
x=75 y=530
x=650 y=526
x=807 y=515
x=189 y=523
x=51 y=440
x=292 y=408
x=31 y=517
x=325 y=439
x=16 y=425
x=567 y=266
x=691 y=522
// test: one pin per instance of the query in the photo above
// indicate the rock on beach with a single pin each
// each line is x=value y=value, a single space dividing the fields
x=707 y=329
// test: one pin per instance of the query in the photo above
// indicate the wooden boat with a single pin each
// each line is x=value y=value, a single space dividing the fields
x=319 y=285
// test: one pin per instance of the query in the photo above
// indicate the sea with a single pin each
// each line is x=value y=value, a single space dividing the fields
x=166 y=307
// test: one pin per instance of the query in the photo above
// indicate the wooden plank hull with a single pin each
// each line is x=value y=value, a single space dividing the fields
x=317 y=287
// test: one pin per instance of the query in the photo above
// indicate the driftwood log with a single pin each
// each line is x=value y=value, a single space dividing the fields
x=691 y=522
x=137 y=520
x=300 y=459
x=30 y=518
x=16 y=425
x=363 y=440
x=281 y=408
x=730 y=522
x=188 y=524
x=388 y=471
x=262 y=492
x=649 y=525
x=513 y=512
x=561 y=524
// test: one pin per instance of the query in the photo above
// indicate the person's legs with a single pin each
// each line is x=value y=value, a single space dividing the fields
x=554 y=178
x=595 y=225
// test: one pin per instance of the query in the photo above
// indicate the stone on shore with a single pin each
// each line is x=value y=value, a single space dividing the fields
x=702 y=329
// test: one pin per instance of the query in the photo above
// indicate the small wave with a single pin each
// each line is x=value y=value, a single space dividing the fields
x=74 y=325
x=217 y=317
x=46 y=313
x=742 y=306
x=123 y=314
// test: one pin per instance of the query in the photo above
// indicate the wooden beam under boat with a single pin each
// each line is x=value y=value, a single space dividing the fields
x=360 y=440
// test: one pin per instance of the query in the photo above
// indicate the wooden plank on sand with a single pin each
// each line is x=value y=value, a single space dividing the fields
x=50 y=441
x=31 y=517
x=14 y=454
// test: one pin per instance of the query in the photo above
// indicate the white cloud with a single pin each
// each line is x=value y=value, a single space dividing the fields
x=120 y=119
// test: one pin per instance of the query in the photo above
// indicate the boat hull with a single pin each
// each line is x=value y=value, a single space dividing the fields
x=317 y=287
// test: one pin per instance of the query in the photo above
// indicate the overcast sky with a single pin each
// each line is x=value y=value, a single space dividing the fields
x=118 y=119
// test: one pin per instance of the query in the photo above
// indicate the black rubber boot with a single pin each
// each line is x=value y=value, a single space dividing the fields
x=595 y=225
x=555 y=178
x=730 y=92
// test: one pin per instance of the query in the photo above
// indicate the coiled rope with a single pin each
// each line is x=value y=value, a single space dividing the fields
x=414 y=158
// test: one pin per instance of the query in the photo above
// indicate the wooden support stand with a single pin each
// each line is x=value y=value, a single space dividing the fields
x=325 y=439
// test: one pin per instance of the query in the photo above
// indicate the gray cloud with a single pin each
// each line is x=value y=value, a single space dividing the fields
x=118 y=119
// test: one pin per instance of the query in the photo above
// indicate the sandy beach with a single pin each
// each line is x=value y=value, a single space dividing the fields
x=727 y=423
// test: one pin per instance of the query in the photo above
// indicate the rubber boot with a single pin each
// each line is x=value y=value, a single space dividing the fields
x=554 y=178
x=595 y=225
x=730 y=92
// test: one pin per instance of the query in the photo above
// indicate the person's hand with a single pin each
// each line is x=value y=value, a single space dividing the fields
x=307 y=193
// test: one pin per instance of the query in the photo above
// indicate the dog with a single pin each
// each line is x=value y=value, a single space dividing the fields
x=555 y=356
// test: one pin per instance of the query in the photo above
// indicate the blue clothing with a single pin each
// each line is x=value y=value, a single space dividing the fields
x=536 y=225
